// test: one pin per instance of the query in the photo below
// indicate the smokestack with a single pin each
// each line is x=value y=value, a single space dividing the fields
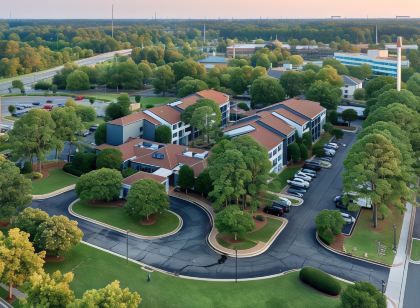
x=399 y=46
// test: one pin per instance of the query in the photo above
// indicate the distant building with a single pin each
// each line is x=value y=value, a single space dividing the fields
x=243 y=50
x=393 y=47
x=212 y=61
x=379 y=60
x=143 y=124
x=351 y=84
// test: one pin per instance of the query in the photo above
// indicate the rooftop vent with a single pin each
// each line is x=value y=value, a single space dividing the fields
x=158 y=155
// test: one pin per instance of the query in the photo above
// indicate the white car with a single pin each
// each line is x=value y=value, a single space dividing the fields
x=308 y=171
x=303 y=176
x=284 y=201
x=298 y=183
x=329 y=152
x=324 y=164
x=332 y=145
x=348 y=218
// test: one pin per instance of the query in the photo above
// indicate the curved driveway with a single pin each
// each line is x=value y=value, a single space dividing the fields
x=187 y=253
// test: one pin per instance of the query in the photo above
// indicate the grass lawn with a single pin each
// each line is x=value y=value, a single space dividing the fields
x=280 y=180
x=155 y=101
x=251 y=239
x=323 y=140
x=365 y=238
x=56 y=179
x=94 y=269
x=4 y=294
x=117 y=217
x=415 y=250
x=98 y=120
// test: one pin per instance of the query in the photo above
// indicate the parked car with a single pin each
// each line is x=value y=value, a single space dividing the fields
x=338 y=201
x=325 y=158
x=48 y=107
x=177 y=189
x=309 y=171
x=298 y=182
x=94 y=127
x=36 y=103
x=48 y=101
x=79 y=97
x=348 y=218
x=283 y=201
x=312 y=166
x=333 y=145
x=300 y=189
x=329 y=152
x=295 y=193
x=276 y=211
x=19 y=113
x=19 y=107
x=285 y=208
x=26 y=105
x=352 y=198
x=324 y=164
x=303 y=176
x=84 y=133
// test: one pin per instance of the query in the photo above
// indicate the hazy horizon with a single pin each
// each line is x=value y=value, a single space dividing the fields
x=200 y=9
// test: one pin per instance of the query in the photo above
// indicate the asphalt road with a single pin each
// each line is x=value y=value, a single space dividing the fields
x=412 y=294
x=188 y=253
x=34 y=77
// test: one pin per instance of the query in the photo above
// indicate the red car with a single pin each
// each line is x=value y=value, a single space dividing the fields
x=48 y=107
x=79 y=97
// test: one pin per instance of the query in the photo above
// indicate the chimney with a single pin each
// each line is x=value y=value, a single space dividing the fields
x=399 y=46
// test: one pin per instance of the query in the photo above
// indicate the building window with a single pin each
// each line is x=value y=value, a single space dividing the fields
x=275 y=152
x=174 y=126
x=174 y=135
x=279 y=148
x=270 y=155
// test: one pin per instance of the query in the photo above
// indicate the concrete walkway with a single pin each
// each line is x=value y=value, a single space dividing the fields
x=54 y=193
x=395 y=286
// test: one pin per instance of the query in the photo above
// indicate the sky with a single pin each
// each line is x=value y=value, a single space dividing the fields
x=207 y=9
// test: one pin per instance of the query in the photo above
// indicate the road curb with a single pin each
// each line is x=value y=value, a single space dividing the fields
x=54 y=193
x=211 y=238
x=143 y=237
x=347 y=255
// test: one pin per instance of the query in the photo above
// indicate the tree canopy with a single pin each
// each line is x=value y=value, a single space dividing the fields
x=234 y=221
x=103 y=184
x=266 y=91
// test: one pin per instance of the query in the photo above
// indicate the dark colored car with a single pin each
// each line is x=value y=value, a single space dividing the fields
x=298 y=189
x=285 y=208
x=93 y=127
x=48 y=101
x=311 y=166
x=292 y=192
x=36 y=103
x=273 y=211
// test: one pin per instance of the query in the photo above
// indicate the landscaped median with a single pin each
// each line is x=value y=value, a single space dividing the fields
x=56 y=180
x=113 y=216
x=415 y=250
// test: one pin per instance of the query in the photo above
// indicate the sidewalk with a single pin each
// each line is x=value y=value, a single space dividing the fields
x=395 y=287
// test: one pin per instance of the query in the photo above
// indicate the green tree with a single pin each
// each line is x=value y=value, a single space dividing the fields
x=349 y=115
x=11 y=109
x=123 y=75
x=137 y=99
x=329 y=223
x=376 y=84
x=33 y=135
x=118 y=109
x=205 y=120
x=234 y=221
x=307 y=139
x=293 y=152
x=330 y=75
x=77 y=80
x=84 y=161
x=324 y=93
x=164 y=79
x=266 y=91
x=145 y=198
x=102 y=185
x=361 y=72
x=57 y=235
x=188 y=68
x=359 y=94
x=392 y=96
x=362 y=295
x=45 y=290
x=186 y=177
x=109 y=158
x=203 y=183
x=18 y=84
x=293 y=83
x=295 y=60
x=67 y=123
x=15 y=189
x=163 y=134
x=340 y=68
x=337 y=133
x=86 y=113
x=332 y=117
x=100 y=134
x=413 y=84
x=373 y=170
x=303 y=151
x=19 y=257
x=188 y=85
x=110 y=296
x=29 y=220
x=189 y=111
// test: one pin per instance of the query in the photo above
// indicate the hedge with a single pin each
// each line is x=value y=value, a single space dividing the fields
x=320 y=280
x=70 y=169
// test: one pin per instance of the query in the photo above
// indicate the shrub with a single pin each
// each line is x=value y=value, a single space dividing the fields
x=36 y=175
x=328 y=127
x=127 y=172
x=332 y=117
x=70 y=169
x=320 y=280
x=338 y=133
x=149 y=106
x=362 y=293
x=318 y=150
x=27 y=168
x=260 y=218
x=327 y=236
x=42 y=85
x=359 y=94
x=243 y=106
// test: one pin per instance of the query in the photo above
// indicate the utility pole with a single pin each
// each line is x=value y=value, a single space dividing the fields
x=128 y=231
x=376 y=34
x=236 y=265
x=112 y=21
x=399 y=47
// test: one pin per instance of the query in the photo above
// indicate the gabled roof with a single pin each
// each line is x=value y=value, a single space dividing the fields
x=131 y=148
x=276 y=123
x=142 y=176
x=134 y=117
x=305 y=107
x=291 y=116
x=167 y=113
x=219 y=97
x=351 y=81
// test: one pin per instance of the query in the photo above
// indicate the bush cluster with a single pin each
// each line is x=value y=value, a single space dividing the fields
x=320 y=280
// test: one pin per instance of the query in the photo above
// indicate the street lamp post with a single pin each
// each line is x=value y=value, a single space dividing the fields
x=128 y=231
x=395 y=238
x=236 y=265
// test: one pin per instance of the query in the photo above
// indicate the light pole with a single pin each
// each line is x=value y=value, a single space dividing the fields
x=395 y=238
x=383 y=286
x=236 y=265
x=128 y=231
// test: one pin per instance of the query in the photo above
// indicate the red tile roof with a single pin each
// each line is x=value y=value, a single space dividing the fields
x=167 y=113
x=188 y=101
x=291 y=116
x=271 y=120
x=130 y=148
x=141 y=176
x=219 y=97
x=306 y=107
x=134 y=117
x=265 y=137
